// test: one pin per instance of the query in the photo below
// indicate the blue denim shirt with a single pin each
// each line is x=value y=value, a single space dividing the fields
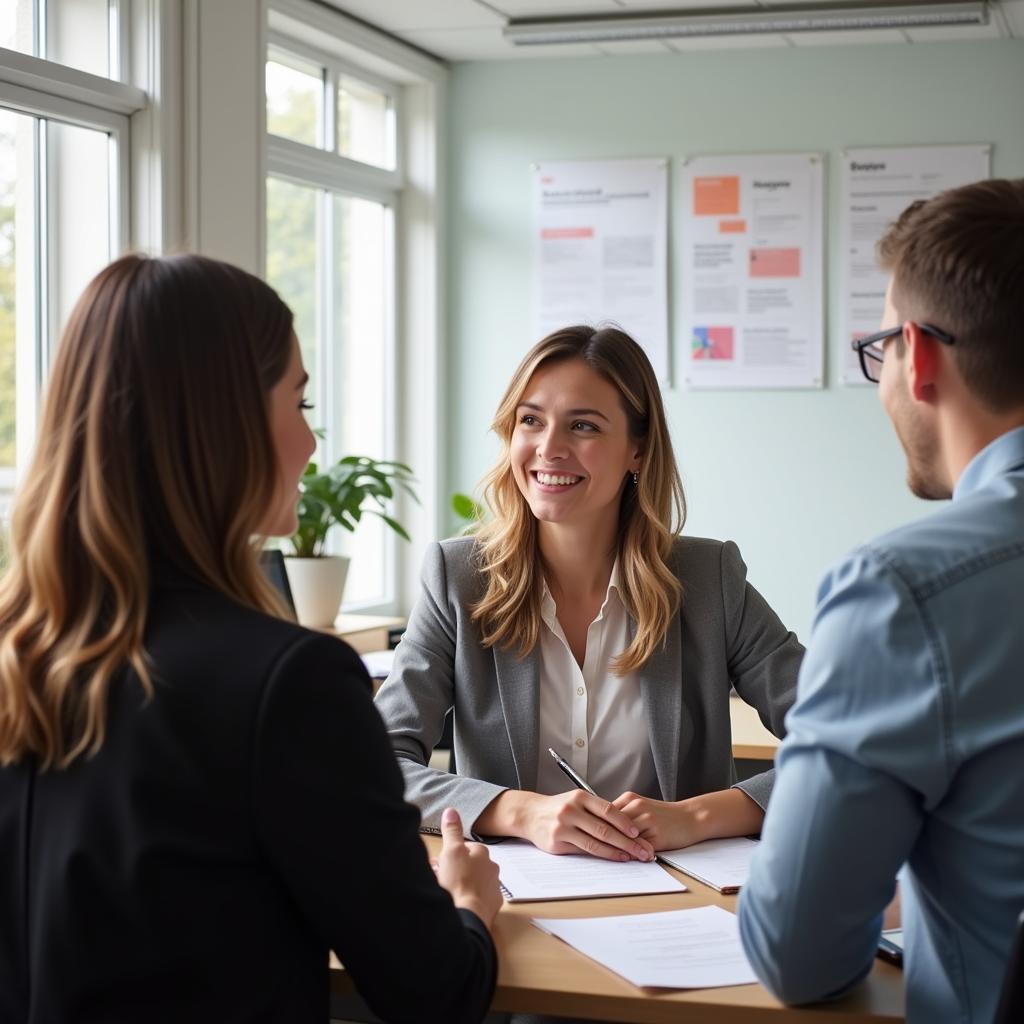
x=906 y=747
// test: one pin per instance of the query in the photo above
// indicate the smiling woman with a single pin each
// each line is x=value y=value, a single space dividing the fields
x=560 y=446
x=578 y=619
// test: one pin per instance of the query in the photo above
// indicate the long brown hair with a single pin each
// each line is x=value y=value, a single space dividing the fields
x=154 y=448
x=651 y=513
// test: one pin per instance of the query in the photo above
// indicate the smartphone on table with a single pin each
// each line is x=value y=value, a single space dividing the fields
x=890 y=946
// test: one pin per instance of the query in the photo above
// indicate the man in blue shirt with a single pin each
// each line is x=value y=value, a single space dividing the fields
x=906 y=744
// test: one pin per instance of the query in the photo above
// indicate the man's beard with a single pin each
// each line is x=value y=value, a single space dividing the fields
x=923 y=477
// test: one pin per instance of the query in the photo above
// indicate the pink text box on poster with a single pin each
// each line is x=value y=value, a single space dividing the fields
x=774 y=262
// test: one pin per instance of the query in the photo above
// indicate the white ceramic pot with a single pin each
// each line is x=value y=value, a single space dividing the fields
x=317 y=587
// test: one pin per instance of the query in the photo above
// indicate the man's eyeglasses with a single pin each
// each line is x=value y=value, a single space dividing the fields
x=871 y=348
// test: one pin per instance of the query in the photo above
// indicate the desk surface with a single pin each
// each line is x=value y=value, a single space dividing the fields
x=540 y=974
x=749 y=737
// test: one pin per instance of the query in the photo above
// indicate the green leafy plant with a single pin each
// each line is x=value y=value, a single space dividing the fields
x=343 y=494
x=466 y=508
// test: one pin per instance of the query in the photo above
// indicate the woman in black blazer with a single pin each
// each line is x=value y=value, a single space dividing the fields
x=197 y=798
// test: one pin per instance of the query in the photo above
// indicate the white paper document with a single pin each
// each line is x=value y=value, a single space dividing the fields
x=378 y=663
x=751 y=271
x=531 y=874
x=678 y=949
x=600 y=249
x=877 y=186
x=721 y=863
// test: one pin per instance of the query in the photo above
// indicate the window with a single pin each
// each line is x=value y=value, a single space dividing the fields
x=64 y=126
x=332 y=191
x=81 y=34
x=295 y=98
x=353 y=158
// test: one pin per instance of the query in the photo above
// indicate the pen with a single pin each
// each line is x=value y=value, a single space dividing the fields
x=580 y=784
x=574 y=778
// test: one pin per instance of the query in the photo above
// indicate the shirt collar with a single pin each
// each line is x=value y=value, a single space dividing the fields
x=998 y=457
x=547 y=602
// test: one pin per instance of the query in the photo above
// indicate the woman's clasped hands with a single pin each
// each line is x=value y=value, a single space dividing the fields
x=573 y=822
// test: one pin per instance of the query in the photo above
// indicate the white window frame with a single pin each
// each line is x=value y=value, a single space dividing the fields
x=41 y=88
x=413 y=192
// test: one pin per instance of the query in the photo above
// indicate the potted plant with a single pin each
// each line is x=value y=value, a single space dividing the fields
x=338 y=496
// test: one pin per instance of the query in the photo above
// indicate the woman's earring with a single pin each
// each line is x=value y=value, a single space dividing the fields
x=636 y=478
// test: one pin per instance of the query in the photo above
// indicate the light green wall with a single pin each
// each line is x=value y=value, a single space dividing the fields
x=795 y=478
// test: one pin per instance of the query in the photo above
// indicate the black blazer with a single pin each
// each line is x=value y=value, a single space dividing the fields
x=229 y=831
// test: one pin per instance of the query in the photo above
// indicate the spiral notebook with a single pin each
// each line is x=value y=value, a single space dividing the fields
x=531 y=874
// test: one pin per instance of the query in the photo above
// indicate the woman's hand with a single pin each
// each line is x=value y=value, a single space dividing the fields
x=573 y=822
x=467 y=871
x=669 y=826
x=666 y=826
x=579 y=822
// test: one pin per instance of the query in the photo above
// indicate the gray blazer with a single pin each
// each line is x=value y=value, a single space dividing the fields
x=725 y=635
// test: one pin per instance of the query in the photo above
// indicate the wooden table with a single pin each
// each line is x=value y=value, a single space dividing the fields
x=750 y=739
x=540 y=974
x=365 y=632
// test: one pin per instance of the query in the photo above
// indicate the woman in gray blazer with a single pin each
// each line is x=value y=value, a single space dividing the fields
x=577 y=619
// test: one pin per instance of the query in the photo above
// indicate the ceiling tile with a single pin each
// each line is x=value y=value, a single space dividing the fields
x=846 y=38
x=402 y=15
x=1013 y=15
x=754 y=42
x=471 y=29
x=487 y=44
x=952 y=32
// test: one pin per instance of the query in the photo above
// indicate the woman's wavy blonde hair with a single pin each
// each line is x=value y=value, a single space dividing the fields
x=651 y=513
x=155 y=454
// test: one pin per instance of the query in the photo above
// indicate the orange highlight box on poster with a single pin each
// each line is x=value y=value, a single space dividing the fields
x=716 y=197
x=732 y=227
x=774 y=262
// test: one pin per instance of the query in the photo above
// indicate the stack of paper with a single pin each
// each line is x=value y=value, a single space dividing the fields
x=531 y=874
x=678 y=949
x=724 y=864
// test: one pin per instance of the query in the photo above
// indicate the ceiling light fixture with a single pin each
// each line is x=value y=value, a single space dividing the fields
x=544 y=31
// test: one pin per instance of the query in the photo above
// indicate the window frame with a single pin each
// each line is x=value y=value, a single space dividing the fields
x=57 y=93
x=335 y=176
x=413 y=421
x=335 y=68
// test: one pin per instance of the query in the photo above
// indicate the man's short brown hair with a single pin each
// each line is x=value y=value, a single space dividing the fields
x=957 y=262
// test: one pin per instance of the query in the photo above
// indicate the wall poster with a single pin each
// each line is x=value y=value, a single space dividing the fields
x=877 y=185
x=600 y=239
x=752 y=271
